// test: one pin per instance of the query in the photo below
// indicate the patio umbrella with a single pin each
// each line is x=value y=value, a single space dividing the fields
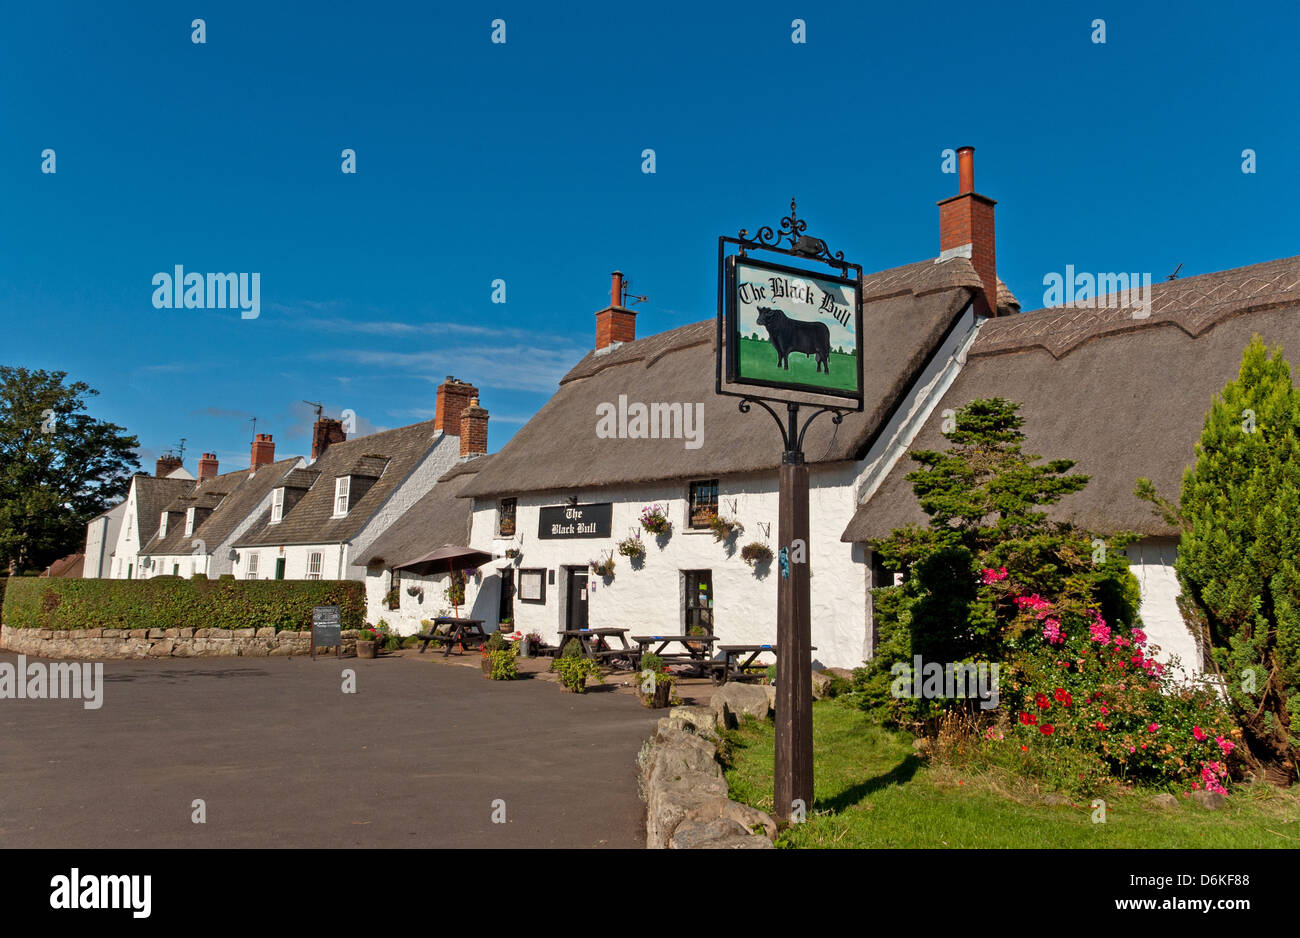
x=447 y=559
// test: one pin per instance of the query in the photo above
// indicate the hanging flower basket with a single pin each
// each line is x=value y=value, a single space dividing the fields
x=725 y=528
x=603 y=567
x=632 y=547
x=756 y=553
x=655 y=521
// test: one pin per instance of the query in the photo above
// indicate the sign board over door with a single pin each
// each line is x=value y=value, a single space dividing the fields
x=559 y=522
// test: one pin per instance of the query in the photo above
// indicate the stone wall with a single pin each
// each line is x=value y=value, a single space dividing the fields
x=162 y=643
x=683 y=786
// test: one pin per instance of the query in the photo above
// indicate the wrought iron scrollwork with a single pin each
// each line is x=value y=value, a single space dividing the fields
x=791 y=239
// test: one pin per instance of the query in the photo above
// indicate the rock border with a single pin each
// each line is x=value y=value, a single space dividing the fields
x=163 y=643
x=682 y=784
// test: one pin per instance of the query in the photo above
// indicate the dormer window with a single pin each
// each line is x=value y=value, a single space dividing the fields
x=342 y=489
x=277 y=505
x=189 y=522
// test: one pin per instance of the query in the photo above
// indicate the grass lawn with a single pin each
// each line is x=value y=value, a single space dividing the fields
x=872 y=791
x=758 y=360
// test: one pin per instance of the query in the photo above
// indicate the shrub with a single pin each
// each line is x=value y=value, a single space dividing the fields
x=993 y=580
x=173 y=602
x=503 y=667
x=573 y=672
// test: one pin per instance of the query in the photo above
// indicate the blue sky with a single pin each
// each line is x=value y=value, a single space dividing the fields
x=523 y=162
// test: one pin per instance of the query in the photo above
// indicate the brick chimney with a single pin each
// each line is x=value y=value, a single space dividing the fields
x=473 y=430
x=263 y=452
x=966 y=229
x=207 y=467
x=453 y=397
x=324 y=433
x=615 y=324
x=166 y=465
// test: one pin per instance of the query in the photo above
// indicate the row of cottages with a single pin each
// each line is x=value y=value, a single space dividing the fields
x=1121 y=392
x=294 y=518
x=321 y=517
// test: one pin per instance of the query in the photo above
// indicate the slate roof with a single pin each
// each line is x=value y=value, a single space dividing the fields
x=439 y=517
x=907 y=312
x=151 y=496
x=311 y=521
x=230 y=497
x=1123 y=397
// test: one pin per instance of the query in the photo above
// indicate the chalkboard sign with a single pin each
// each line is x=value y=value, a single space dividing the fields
x=326 y=629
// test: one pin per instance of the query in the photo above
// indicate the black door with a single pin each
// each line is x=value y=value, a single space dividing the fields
x=506 y=610
x=699 y=600
x=577 y=599
x=279 y=568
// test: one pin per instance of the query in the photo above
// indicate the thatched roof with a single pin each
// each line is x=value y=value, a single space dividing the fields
x=907 y=312
x=439 y=517
x=1123 y=397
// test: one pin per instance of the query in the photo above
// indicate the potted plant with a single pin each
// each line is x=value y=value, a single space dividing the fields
x=724 y=528
x=655 y=521
x=573 y=668
x=756 y=553
x=455 y=590
x=367 y=637
x=497 y=658
x=392 y=598
x=696 y=630
x=529 y=644
x=656 y=682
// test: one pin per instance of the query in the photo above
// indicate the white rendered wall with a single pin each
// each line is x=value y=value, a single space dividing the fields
x=1152 y=562
x=649 y=600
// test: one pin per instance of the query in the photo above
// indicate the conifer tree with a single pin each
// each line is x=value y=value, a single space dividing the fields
x=1240 y=549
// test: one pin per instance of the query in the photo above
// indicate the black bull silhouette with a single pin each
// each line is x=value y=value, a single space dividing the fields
x=796 y=335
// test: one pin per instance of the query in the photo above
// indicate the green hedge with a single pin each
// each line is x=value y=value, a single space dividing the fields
x=170 y=603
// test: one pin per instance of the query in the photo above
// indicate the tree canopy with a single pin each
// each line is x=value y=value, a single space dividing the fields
x=59 y=467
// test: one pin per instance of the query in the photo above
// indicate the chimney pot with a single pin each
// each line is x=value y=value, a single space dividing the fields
x=616 y=289
x=966 y=169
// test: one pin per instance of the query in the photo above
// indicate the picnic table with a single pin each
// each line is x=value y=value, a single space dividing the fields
x=452 y=631
x=595 y=646
x=695 y=649
x=733 y=668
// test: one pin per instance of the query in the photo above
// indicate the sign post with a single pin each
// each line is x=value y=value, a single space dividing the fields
x=788 y=335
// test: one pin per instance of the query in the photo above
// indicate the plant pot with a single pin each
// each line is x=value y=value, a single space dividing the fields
x=525 y=648
x=365 y=649
x=485 y=662
x=661 y=698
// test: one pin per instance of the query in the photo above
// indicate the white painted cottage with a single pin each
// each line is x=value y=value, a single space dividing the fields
x=321 y=517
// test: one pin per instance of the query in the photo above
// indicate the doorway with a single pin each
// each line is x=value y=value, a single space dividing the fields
x=577 y=599
x=279 y=568
x=699 y=601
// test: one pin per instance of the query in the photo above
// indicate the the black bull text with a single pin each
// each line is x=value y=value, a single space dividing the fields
x=795 y=335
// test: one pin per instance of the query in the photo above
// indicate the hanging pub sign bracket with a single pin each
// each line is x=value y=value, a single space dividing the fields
x=789 y=334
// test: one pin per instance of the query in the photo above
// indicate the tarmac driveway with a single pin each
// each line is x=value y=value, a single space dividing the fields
x=420 y=756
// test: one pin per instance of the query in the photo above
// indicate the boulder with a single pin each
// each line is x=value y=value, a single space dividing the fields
x=1164 y=801
x=733 y=700
x=821 y=684
x=844 y=673
x=162 y=649
x=671 y=798
x=1210 y=800
x=698 y=721
x=266 y=633
x=717 y=833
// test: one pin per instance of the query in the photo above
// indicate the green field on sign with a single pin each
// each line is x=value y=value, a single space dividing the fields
x=757 y=362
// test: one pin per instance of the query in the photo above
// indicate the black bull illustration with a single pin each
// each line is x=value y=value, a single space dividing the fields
x=796 y=335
